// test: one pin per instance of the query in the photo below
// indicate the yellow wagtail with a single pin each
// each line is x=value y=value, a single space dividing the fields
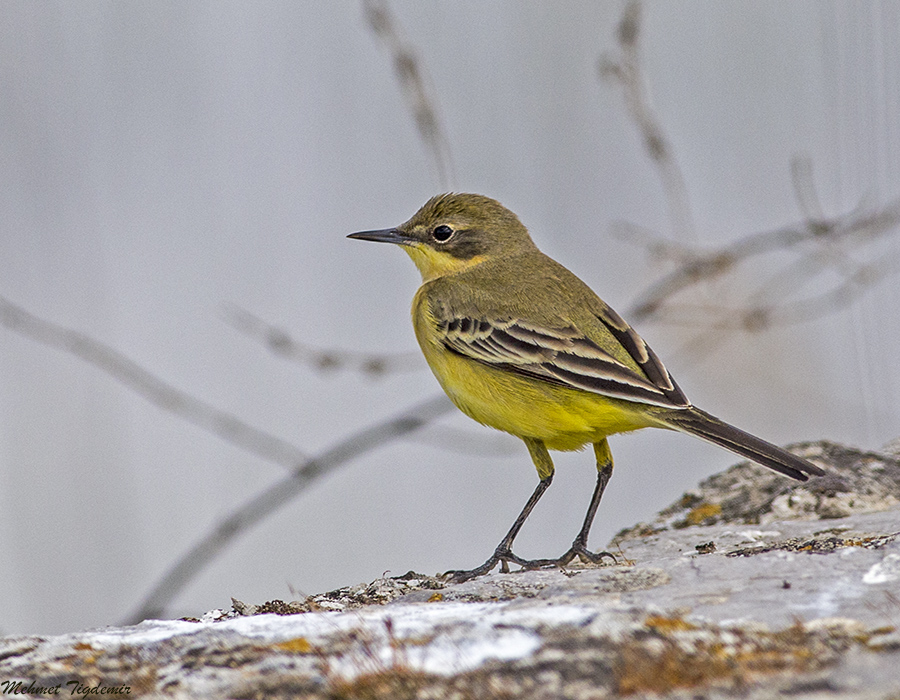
x=521 y=344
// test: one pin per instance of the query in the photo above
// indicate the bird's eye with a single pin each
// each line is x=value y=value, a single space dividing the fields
x=442 y=233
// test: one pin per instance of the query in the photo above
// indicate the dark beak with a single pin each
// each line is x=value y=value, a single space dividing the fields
x=387 y=235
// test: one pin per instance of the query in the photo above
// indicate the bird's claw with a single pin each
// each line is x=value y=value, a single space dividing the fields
x=589 y=557
x=505 y=557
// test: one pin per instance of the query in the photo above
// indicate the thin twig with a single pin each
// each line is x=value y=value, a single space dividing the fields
x=628 y=73
x=211 y=545
x=855 y=285
x=281 y=343
x=304 y=470
x=856 y=226
x=817 y=240
x=805 y=189
x=412 y=76
x=150 y=387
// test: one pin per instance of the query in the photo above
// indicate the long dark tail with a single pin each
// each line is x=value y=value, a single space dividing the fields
x=711 y=429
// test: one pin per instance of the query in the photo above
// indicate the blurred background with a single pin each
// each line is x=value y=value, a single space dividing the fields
x=176 y=176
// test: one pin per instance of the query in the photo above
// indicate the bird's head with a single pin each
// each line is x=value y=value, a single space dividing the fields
x=452 y=232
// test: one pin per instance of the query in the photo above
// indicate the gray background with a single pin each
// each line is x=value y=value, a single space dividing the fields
x=160 y=160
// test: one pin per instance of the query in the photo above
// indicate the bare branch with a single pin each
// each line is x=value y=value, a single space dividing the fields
x=304 y=470
x=805 y=189
x=856 y=227
x=210 y=546
x=657 y=246
x=150 y=387
x=818 y=242
x=626 y=71
x=280 y=342
x=855 y=285
x=412 y=76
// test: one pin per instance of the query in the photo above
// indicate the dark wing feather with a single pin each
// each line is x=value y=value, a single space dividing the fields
x=566 y=357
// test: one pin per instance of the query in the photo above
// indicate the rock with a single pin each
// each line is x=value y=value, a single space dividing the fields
x=749 y=587
x=856 y=482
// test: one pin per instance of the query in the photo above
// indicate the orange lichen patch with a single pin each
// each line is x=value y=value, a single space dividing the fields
x=816 y=545
x=390 y=684
x=687 y=500
x=403 y=683
x=689 y=659
x=873 y=542
x=436 y=598
x=298 y=645
x=703 y=513
x=663 y=624
x=641 y=670
x=639 y=530
x=87 y=658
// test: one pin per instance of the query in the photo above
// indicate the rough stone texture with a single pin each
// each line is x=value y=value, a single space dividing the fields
x=768 y=594
x=856 y=482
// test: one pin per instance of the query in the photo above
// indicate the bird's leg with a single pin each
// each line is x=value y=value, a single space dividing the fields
x=579 y=546
x=503 y=554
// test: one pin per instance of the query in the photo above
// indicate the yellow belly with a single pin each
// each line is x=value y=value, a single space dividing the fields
x=564 y=418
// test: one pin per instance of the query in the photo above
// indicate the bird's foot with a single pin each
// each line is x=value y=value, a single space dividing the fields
x=581 y=551
x=576 y=551
x=505 y=556
x=502 y=555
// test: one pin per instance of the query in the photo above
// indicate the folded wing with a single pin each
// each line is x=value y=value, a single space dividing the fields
x=564 y=356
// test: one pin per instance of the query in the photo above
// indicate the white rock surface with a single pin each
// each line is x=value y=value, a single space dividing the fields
x=789 y=608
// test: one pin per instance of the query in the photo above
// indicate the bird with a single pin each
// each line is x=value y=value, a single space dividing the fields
x=519 y=343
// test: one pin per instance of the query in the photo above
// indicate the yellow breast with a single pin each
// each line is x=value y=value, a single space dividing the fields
x=564 y=418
